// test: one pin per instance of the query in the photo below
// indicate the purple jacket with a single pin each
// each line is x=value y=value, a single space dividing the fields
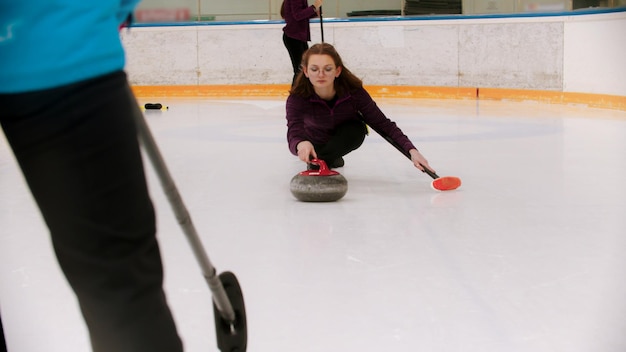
x=297 y=14
x=310 y=119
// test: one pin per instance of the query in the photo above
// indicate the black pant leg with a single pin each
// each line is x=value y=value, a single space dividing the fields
x=77 y=147
x=296 y=49
x=347 y=137
x=3 y=344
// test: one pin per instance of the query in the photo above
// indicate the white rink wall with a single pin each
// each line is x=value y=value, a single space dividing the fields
x=582 y=53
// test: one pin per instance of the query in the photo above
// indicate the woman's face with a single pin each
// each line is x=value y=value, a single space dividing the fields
x=321 y=71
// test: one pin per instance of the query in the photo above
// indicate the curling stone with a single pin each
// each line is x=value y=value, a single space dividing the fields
x=323 y=185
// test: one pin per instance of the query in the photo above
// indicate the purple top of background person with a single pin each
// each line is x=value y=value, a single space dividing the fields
x=297 y=14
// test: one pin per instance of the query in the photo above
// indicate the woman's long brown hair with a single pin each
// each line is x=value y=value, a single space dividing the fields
x=345 y=83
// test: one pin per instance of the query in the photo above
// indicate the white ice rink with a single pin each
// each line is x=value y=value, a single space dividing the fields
x=529 y=255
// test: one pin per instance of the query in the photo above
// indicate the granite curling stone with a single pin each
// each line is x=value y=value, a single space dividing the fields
x=323 y=185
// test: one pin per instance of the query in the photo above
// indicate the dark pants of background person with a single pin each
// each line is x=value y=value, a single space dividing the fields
x=78 y=150
x=3 y=345
x=347 y=137
x=296 y=49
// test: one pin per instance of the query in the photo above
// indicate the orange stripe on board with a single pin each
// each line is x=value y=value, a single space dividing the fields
x=422 y=92
x=216 y=91
x=272 y=90
x=282 y=90
x=592 y=100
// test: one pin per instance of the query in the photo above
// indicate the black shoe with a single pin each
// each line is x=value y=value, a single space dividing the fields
x=339 y=162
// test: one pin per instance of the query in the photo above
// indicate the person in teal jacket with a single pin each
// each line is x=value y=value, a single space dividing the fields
x=66 y=110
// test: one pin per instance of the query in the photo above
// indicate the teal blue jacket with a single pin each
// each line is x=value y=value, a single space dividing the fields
x=50 y=43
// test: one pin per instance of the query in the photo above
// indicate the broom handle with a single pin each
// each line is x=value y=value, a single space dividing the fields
x=146 y=139
x=321 y=24
x=401 y=150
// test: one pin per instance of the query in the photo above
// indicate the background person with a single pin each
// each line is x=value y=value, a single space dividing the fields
x=297 y=31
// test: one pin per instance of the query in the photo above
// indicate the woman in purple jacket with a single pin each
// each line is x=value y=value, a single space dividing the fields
x=297 y=33
x=328 y=109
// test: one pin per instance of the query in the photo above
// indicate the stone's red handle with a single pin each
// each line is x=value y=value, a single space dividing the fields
x=323 y=171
